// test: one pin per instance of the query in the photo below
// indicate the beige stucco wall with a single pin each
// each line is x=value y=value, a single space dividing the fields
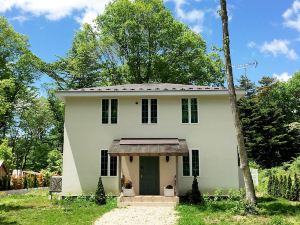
x=85 y=136
x=131 y=171
x=167 y=172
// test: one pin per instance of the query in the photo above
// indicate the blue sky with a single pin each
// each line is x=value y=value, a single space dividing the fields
x=267 y=31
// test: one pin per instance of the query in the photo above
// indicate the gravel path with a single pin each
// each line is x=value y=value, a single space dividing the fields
x=139 y=215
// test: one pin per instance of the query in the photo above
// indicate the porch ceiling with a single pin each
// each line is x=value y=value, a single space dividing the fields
x=148 y=147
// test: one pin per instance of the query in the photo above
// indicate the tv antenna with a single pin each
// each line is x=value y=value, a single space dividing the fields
x=246 y=66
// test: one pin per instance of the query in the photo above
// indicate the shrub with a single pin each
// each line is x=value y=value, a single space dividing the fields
x=284 y=187
x=296 y=189
x=100 y=197
x=5 y=182
x=276 y=187
x=35 y=182
x=270 y=185
x=196 y=196
x=17 y=182
x=46 y=179
x=30 y=182
x=289 y=188
x=281 y=193
x=25 y=182
x=236 y=194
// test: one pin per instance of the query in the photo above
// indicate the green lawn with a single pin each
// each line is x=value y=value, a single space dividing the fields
x=271 y=212
x=35 y=208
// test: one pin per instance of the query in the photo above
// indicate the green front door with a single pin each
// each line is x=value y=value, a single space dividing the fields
x=149 y=175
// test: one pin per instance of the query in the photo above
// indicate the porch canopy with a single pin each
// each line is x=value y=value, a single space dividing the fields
x=148 y=147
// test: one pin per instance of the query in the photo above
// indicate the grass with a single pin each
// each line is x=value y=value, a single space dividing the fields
x=270 y=212
x=35 y=208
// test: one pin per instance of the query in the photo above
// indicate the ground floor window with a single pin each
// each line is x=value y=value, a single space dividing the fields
x=191 y=164
x=108 y=164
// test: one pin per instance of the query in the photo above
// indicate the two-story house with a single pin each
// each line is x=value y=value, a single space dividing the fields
x=152 y=134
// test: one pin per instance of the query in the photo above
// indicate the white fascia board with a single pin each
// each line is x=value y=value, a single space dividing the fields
x=63 y=94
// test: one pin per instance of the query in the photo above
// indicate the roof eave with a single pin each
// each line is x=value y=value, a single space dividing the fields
x=63 y=94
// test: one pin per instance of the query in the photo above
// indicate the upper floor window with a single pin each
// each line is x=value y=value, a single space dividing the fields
x=149 y=110
x=110 y=111
x=190 y=164
x=189 y=110
x=109 y=164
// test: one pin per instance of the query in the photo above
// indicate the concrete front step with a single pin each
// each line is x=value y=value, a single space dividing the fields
x=143 y=200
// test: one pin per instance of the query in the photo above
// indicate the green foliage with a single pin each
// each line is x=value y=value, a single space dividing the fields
x=289 y=188
x=295 y=195
x=35 y=182
x=54 y=161
x=46 y=178
x=270 y=122
x=25 y=182
x=270 y=185
x=6 y=154
x=280 y=183
x=196 y=196
x=5 y=182
x=17 y=73
x=30 y=181
x=100 y=196
x=137 y=42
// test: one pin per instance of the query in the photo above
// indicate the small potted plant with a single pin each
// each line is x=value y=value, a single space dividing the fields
x=169 y=191
x=128 y=190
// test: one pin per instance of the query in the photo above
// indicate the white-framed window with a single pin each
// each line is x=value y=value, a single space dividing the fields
x=108 y=164
x=149 y=111
x=109 y=111
x=189 y=110
x=191 y=163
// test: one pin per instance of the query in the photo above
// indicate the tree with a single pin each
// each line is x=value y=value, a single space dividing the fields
x=17 y=72
x=6 y=154
x=136 y=41
x=196 y=196
x=245 y=83
x=54 y=161
x=269 y=123
x=57 y=108
x=100 y=196
x=82 y=65
x=267 y=81
x=31 y=143
x=250 y=191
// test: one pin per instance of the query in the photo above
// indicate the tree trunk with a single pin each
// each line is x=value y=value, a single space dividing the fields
x=250 y=191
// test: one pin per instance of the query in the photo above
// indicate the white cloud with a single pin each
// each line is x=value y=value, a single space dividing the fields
x=195 y=16
x=197 y=28
x=277 y=47
x=57 y=9
x=282 y=77
x=20 y=19
x=292 y=16
x=251 y=44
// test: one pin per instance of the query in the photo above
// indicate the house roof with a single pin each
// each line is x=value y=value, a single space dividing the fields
x=146 y=89
x=148 y=147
